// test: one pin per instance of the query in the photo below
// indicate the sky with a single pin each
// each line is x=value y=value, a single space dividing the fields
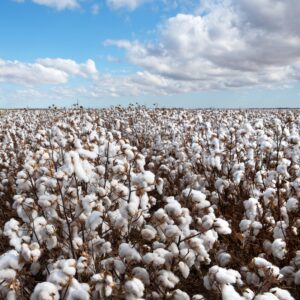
x=173 y=53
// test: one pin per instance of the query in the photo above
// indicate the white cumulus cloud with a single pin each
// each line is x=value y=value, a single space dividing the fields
x=57 y=4
x=226 y=44
x=128 y=4
x=45 y=71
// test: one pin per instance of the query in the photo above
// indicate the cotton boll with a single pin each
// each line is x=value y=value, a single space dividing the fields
x=11 y=230
x=159 y=186
x=7 y=275
x=279 y=232
x=267 y=245
x=248 y=294
x=227 y=276
x=45 y=291
x=253 y=208
x=173 y=208
x=172 y=231
x=153 y=259
x=141 y=274
x=77 y=291
x=208 y=221
x=167 y=279
x=261 y=262
x=35 y=268
x=82 y=264
x=222 y=226
x=223 y=258
x=149 y=177
x=78 y=167
x=134 y=289
x=30 y=253
x=180 y=295
x=129 y=253
x=10 y=260
x=129 y=154
x=279 y=249
x=281 y=294
x=184 y=269
x=12 y=295
x=292 y=205
x=94 y=220
x=47 y=200
x=269 y=196
x=69 y=267
x=282 y=170
x=149 y=233
x=266 y=296
x=229 y=293
x=198 y=297
x=297 y=278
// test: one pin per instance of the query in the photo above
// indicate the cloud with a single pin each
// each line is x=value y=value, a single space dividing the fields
x=45 y=71
x=57 y=4
x=127 y=4
x=226 y=44
x=95 y=8
x=87 y=69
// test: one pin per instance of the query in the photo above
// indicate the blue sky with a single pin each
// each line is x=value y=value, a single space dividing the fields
x=209 y=53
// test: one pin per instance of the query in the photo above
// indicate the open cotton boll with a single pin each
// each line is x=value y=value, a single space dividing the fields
x=282 y=170
x=129 y=154
x=198 y=297
x=100 y=246
x=134 y=289
x=266 y=296
x=253 y=208
x=248 y=294
x=141 y=274
x=167 y=279
x=172 y=231
x=94 y=220
x=292 y=205
x=129 y=253
x=297 y=277
x=264 y=265
x=184 y=269
x=47 y=200
x=159 y=185
x=207 y=221
x=7 y=275
x=10 y=260
x=180 y=295
x=245 y=225
x=281 y=294
x=279 y=249
x=173 y=208
x=269 y=195
x=222 y=226
x=227 y=276
x=149 y=233
x=229 y=293
x=197 y=197
x=77 y=291
x=223 y=258
x=149 y=177
x=12 y=231
x=153 y=259
x=45 y=291
x=78 y=167
x=31 y=253
x=279 y=231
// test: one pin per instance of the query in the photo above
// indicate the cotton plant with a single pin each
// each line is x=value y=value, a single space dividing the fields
x=140 y=203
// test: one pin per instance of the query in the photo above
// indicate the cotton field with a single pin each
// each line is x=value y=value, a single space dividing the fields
x=136 y=203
